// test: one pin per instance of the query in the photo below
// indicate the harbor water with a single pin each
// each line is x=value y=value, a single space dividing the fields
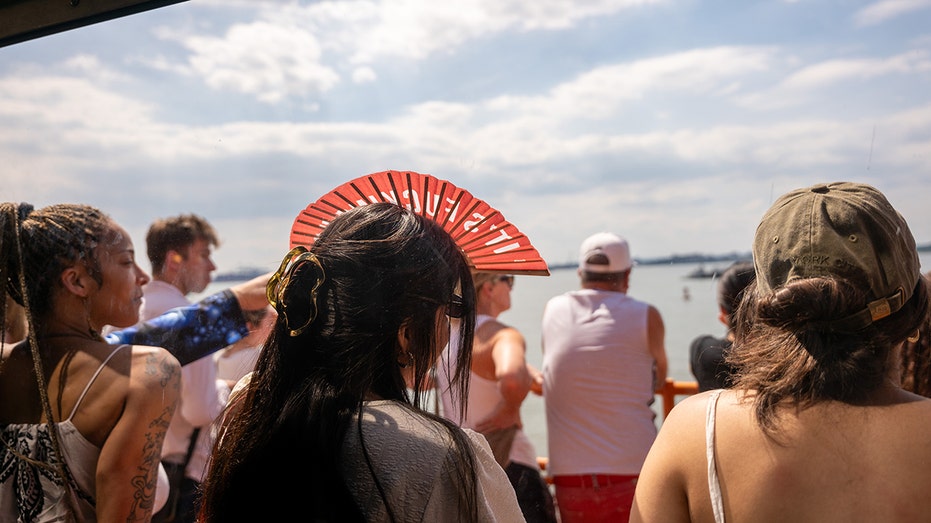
x=688 y=307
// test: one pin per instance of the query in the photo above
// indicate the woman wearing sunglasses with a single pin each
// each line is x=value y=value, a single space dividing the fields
x=500 y=379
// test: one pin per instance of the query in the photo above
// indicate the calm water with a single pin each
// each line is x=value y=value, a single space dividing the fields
x=663 y=286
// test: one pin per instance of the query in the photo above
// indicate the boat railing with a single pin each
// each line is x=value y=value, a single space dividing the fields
x=673 y=388
x=669 y=391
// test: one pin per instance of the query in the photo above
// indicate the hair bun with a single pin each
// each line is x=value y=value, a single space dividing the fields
x=24 y=210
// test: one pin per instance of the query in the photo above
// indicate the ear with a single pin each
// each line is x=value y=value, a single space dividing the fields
x=404 y=337
x=76 y=281
x=481 y=288
x=173 y=258
x=722 y=316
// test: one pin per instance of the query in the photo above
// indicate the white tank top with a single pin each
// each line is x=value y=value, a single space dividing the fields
x=483 y=396
x=44 y=500
x=597 y=383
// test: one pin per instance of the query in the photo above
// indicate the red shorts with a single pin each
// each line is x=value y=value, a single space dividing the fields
x=594 y=497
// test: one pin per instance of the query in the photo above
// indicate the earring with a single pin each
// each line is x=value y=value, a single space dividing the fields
x=914 y=337
x=408 y=360
x=87 y=313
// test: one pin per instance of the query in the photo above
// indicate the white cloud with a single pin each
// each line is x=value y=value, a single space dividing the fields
x=296 y=50
x=699 y=71
x=814 y=81
x=363 y=75
x=885 y=10
x=46 y=102
x=836 y=71
x=272 y=62
x=501 y=133
x=416 y=29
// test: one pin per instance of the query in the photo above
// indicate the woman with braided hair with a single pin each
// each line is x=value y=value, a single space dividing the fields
x=82 y=421
x=329 y=427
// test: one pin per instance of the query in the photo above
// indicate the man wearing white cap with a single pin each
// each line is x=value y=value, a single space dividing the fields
x=603 y=358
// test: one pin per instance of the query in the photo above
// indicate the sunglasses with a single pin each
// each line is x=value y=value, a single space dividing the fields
x=507 y=278
x=454 y=308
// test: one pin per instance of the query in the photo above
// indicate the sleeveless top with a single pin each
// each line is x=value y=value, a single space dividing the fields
x=483 y=397
x=597 y=383
x=714 y=487
x=31 y=493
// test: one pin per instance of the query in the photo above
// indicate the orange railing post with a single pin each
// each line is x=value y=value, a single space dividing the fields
x=673 y=388
x=669 y=391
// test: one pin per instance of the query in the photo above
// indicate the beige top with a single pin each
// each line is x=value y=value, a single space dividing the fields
x=412 y=457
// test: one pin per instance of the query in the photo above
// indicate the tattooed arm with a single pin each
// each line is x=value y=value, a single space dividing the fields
x=128 y=464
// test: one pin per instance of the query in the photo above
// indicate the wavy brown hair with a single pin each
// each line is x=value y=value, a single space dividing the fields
x=916 y=357
x=787 y=351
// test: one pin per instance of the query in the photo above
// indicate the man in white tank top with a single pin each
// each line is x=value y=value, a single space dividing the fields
x=500 y=380
x=603 y=359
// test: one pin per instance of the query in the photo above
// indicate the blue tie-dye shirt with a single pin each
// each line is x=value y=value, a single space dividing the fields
x=190 y=332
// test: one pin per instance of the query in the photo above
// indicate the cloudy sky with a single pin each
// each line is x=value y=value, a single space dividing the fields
x=674 y=123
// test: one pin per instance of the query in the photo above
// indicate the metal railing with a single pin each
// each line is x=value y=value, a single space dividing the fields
x=668 y=392
x=674 y=388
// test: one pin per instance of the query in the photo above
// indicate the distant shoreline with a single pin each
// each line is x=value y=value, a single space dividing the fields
x=696 y=258
x=248 y=273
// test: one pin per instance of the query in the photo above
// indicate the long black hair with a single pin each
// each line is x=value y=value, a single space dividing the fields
x=374 y=270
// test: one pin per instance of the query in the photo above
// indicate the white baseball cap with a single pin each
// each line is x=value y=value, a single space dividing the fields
x=612 y=246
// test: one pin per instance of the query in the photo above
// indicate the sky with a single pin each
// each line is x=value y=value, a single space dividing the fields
x=674 y=124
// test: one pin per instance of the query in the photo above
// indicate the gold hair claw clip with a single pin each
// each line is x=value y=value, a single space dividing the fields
x=278 y=283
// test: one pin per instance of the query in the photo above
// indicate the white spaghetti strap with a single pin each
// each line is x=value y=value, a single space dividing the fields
x=714 y=487
x=91 y=382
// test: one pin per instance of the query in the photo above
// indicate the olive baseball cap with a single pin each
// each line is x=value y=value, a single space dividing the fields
x=839 y=229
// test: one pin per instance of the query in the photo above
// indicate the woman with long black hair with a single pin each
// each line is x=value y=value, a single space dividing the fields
x=329 y=427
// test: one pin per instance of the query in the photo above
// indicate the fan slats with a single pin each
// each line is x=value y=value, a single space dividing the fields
x=489 y=241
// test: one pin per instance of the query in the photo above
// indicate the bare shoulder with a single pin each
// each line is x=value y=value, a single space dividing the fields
x=681 y=437
x=509 y=333
x=493 y=332
x=489 y=328
x=154 y=368
x=672 y=484
x=689 y=414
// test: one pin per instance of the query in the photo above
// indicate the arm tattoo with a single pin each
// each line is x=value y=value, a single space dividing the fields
x=161 y=367
x=147 y=478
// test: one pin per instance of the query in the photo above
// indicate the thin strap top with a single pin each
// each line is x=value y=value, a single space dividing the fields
x=29 y=494
x=93 y=378
x=714 y=487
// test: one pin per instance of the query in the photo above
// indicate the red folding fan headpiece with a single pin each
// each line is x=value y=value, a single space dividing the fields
x=490 y=242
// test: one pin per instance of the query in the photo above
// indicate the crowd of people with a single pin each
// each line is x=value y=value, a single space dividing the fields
x=305 y=392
